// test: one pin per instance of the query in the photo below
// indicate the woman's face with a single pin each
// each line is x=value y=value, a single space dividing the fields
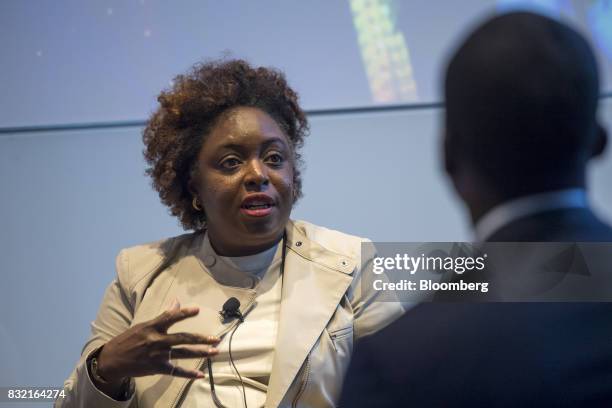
x=245 y=182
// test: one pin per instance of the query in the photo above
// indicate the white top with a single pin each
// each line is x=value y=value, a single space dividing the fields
x=512 y=210
x=254 y=341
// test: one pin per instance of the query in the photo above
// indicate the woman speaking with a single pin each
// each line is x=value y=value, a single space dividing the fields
x=251 y=308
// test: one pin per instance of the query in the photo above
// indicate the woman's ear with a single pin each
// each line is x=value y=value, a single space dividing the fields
x=601 y=141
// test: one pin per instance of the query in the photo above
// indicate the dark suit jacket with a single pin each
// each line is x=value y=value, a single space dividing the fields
x=494 y=354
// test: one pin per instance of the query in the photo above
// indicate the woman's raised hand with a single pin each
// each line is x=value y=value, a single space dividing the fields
x=147 y=348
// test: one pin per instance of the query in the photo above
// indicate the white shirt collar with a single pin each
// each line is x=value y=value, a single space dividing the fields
x=238 y=271
x=512 y=210
x=255 y=264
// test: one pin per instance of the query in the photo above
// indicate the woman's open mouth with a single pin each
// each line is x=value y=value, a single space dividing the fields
x=257 y=205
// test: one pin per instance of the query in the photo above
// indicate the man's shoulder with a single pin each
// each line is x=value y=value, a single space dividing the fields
x=561 y=225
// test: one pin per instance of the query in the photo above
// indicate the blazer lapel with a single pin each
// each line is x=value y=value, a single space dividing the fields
x=314 y=282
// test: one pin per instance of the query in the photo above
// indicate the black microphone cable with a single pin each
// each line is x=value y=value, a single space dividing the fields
x=218 y=403
x=210 y=373
x=232 y=360
x=230 y=310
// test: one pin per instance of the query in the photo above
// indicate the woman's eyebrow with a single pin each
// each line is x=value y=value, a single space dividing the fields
x=241 y=147
x=232 y=146
x=273 y=140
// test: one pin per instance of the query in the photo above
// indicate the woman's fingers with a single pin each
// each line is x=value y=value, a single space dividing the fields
x=193 y=352
x=190 y=338
x=188 y=352
x=146 y=348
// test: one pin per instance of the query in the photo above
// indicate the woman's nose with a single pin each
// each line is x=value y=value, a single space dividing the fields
x=257 y=175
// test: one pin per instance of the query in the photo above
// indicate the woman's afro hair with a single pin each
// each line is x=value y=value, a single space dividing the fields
x=188 y=110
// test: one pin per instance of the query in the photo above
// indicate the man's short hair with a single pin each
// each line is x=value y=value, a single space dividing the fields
x=521 y=98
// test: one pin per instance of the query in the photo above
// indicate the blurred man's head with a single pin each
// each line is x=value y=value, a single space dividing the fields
x=521 y=98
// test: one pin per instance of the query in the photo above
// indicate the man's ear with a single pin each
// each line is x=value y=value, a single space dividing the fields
x=601 y=141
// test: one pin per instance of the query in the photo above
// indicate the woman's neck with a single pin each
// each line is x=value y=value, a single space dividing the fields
x=242 y=249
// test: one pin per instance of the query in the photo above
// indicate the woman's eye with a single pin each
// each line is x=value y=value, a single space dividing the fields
x=230 y=163
x=274 y=158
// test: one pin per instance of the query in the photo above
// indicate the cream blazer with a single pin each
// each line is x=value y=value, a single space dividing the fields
x=323 y=310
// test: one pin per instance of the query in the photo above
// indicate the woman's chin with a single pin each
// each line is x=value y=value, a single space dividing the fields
x=249 y=233
x=264 y=228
